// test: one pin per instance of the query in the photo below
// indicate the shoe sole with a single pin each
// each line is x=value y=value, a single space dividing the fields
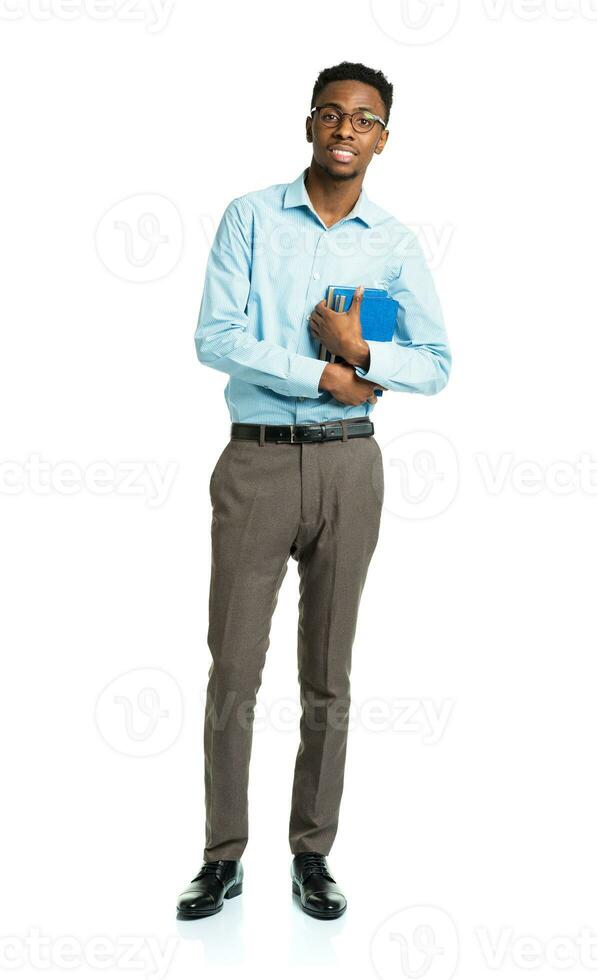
x=317 y=915
x=232 y=892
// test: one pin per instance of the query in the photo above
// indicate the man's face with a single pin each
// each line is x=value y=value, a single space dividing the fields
x=347 y=96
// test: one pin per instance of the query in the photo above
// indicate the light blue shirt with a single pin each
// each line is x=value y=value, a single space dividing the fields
x=271 y=262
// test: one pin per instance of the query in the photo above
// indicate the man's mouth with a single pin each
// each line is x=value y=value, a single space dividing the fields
x=342 y=155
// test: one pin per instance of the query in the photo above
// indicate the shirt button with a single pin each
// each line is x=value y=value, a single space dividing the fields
x=316 y=275
x=301 y=398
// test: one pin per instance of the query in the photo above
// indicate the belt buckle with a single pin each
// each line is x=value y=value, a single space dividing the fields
x=311 y=432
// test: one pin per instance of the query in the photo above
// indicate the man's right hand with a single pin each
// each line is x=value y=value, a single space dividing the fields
x=346 y=386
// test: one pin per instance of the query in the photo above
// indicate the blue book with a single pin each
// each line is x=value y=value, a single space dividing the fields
x=378 y=316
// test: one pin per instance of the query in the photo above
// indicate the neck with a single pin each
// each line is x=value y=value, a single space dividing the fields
x=332 y=197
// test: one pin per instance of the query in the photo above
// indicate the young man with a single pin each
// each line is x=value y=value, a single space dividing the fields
x=302 y=474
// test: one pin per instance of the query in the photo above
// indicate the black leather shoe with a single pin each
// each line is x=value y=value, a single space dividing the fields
x=216 y=880
x=311 y=880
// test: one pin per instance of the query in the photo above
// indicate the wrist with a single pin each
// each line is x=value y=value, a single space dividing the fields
x=326 y=377
x=359 y=355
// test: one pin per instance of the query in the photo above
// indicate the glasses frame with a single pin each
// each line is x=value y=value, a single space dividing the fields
x=351 y=114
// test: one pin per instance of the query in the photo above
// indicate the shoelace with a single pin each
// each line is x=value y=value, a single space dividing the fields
x=315 y=864
x=209 y=868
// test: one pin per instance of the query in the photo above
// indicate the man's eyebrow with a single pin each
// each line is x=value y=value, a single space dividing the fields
x=338 y=106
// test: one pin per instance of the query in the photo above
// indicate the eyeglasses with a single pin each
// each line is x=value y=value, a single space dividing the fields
x=362 y=120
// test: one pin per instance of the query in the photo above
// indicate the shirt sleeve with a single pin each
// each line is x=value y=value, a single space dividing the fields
x=222 y=338
x=418 y=358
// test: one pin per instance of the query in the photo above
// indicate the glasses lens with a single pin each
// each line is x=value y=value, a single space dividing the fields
x=362 y=121
x=329 y=116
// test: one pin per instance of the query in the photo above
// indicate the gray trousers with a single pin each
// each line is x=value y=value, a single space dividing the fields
x=319 y=503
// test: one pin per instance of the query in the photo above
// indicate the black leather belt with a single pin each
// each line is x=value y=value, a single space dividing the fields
x=308 y=432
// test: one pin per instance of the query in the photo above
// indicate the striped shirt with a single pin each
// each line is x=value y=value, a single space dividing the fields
x=270 y=264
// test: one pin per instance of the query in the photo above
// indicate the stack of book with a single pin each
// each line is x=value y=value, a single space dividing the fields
x=378 y=316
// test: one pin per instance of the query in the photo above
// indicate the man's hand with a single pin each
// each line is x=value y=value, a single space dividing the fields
x=341 y=333
x=346 y=386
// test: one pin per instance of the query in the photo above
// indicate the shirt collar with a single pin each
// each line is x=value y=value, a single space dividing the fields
x=296 y=195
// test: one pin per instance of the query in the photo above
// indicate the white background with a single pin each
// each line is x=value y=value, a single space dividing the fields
x=466 y=849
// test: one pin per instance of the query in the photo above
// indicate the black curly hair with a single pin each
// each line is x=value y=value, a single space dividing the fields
x=355 y=71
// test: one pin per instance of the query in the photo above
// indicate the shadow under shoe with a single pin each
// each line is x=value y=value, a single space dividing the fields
x=313 y=882
x=216 y=880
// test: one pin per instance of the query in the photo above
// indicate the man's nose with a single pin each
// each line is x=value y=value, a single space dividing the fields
x=344 y=129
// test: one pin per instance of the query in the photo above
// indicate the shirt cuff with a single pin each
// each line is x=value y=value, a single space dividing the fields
x=306 y=374
x=380 y=363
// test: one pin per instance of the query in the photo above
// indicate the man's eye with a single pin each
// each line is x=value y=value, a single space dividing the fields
x=330 y=115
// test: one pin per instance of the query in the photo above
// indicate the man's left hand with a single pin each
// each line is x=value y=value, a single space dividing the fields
x=341 y=333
